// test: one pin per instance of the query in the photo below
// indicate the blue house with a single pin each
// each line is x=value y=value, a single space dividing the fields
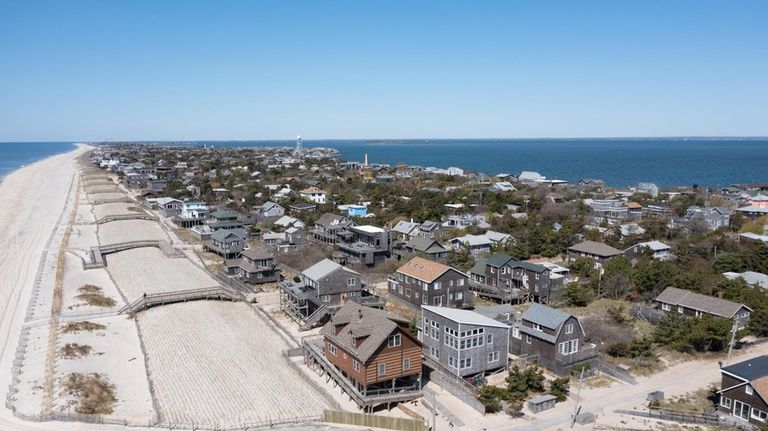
x=357 y=210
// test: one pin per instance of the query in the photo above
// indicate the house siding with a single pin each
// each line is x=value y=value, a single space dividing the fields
x=739 y=394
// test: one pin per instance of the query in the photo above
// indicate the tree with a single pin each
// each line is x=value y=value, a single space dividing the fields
x=559 y=387
x=490 y=398
x=578 y=294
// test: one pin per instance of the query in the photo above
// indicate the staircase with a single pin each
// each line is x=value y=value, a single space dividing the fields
x=315 y=319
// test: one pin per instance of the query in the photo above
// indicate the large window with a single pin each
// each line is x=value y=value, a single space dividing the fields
x=465 y=363
x=759 y=415
x=741 y=410
x=568 y=347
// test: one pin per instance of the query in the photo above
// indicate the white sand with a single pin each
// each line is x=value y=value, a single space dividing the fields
x=76 y=277
x=117 y=355
x=218 y=364
x=104 y=210
x=83 y=237
x=148 y=270
x=130 y=230
x=114 y=195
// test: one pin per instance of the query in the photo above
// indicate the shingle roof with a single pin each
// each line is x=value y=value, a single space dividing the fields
x=332 y=219
x=425 y=245
x=322 y=269
x=751 y=369
x=360 y=321
x=423 y=269
x=595 y=248
x=256 y=254
x=405 y=227
x=697 y=301
x=467 y=317
x=222 y=234
x=547 y=317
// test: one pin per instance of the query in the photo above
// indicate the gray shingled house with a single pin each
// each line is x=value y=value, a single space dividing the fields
x=506 y=279
x=254 y=266
x=227 y=243
x=554 y=337
x=462 y=342
x=599 y=253
x=692 y=304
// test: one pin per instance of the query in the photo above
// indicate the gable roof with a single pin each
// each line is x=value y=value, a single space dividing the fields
x=595 y=248
x=405 y=227
x=426 y=245
x=471 y=240
x=332 y=219
x=223 y=234
x=424 y=269
x=256 y=254
x=313 y=189
x=697 y=301
x=360 y=321
x=466 y=317
x=547 y=317
x=750 y=370
x=324 y=268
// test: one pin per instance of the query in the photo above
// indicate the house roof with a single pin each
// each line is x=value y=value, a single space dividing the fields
x=697 y=301
x=332 y=219
x=471 y=240
x=653 y=245
x=359 y=321
x=256 y=254
x=498 y=312
x=324 y=268
x=751 y=277
x=751 y=369
x=368 y=229
x=466 y=317
x=423 y=269
x=405 y=227
x=595 y=248
x=312 y=190
x=223 y=234
x=547 y=317
x=425 y=245
x=497 y=236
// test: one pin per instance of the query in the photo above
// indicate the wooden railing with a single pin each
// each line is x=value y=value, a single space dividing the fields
x=120 y=217
x=155 y=299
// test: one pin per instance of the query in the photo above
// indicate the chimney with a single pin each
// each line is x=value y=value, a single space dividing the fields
x=720 y=295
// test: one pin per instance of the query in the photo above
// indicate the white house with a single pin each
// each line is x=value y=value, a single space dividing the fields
x=313 y=194
x=194 y=209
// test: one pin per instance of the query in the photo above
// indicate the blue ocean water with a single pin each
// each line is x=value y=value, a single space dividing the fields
x=14 y=155
x=619 y=162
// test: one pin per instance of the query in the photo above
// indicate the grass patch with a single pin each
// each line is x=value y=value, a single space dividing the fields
x=93 y=393
x=135 y=209
x=699 y=401
x=74 y=351
x=82 y=326
x=94 y=296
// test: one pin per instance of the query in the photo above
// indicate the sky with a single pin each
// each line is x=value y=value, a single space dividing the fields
x=194 y=70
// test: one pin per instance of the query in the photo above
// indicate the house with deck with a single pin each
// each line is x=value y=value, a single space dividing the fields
x=424 y=247
x=268 y=210
x=313 y=194
x=167 y=207
x=374 y=351
x=554 y=337
x=657 y=250
x=743 y=392
x=692 y=304
x=193 y=213
x=505 y=279
x=365 y=245
x=254 y=266
x=425 y=282
x=227 y=243
x=462 y=342
x=328 y=228
x=476 y=244
x=321 y=289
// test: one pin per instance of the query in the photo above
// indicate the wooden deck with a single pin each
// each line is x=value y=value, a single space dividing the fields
x=97 y=254
x=158 y=299
x=125 y=200
x=120 y=217
x=315 y=359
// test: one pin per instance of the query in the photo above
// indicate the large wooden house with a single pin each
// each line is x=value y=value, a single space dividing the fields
x=373 y=349
x=425 y=282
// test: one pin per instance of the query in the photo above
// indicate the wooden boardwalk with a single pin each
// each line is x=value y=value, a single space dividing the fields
x=157 y=299
x=120 y=217
x=97 y=254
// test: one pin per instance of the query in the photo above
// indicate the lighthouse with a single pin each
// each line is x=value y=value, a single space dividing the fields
x=365 y=162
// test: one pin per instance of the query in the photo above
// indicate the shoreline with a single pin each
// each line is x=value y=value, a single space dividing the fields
x=74 y=147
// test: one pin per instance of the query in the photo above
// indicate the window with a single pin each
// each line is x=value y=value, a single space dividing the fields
x=434 y=352
x=400 y=289
x=393 y=340
x=489 y=339
x=382 y=369
x=569 y=328
x=408 y=291
x=355 y=365
x=680 y=309
x=568 y=347
x=460 y=282
x=516 y=332
x=452 y=362
x=493 y=356
x=759 y=415
x=325 y=298
x=438 y=285
x=460 y=296
x=666 y=307
x=748 y=390
x=741 y=410
x=527 y=338
x=725 y=402
x=538 y=327
x=332 y=349
x=465 y=363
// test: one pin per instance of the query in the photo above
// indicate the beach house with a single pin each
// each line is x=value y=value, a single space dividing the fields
x=425 y=282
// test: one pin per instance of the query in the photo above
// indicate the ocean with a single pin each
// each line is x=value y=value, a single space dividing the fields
x=14 y=155
x=618 y=162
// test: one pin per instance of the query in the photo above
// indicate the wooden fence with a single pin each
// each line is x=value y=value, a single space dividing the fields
x=361 y=419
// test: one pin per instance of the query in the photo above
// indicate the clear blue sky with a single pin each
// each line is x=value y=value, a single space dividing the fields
x=173 y=70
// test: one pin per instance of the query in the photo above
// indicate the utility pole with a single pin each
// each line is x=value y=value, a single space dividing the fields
x=434 y=413
x=577 y=407
x=731 y=343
